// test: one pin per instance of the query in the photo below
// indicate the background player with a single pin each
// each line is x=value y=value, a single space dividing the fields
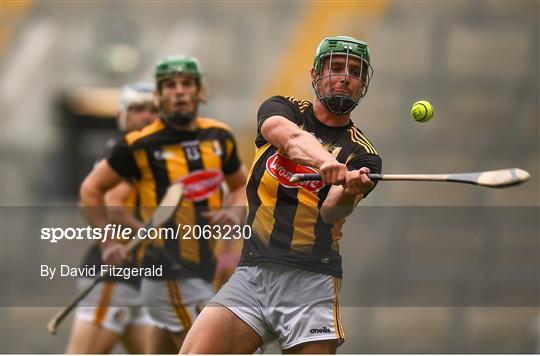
x=287 y=285
x=180 y=145
x=113 y=309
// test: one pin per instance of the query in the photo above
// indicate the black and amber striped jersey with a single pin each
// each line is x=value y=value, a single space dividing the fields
x=158 y=155
x=285 y=217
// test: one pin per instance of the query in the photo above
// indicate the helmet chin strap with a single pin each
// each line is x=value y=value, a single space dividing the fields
x=339 y=105
x=336 y=104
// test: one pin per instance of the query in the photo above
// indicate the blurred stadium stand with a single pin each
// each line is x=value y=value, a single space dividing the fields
x=428 y=267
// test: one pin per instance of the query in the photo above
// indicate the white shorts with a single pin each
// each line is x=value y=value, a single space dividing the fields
x=174 y=304
x=279 y=302
x=112 y=306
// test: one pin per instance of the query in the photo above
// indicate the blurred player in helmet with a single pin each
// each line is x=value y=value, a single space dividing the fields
x=288 y=281
x=136 y=107
x=113 y=310
x=180 y=145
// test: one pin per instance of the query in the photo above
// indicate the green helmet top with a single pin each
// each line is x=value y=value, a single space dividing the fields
x=177 y=64
x=339 y=44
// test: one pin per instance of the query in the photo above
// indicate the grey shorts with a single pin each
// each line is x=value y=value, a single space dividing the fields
x=284 y=303
x=174 y=304
x=112 y=306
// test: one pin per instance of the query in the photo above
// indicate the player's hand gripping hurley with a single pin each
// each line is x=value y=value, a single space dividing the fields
x=165 y=210
x=494 y=179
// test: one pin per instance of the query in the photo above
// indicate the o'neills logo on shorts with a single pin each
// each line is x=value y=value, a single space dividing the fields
x=201 y=184
x=323 y=330
x=282 y=168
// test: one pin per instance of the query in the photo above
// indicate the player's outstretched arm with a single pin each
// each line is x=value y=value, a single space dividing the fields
x=341 y=200
x=303 y=148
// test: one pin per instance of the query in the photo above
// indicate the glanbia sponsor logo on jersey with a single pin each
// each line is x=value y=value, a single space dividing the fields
x=199 y=185
x=282 y=168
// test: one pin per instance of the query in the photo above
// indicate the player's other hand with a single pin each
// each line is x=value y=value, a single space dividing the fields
x=357 y=182
x=222 y=217
x=333 y=172
x=114 y=253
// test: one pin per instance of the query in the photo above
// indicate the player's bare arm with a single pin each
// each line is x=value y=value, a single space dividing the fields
x=234 y=210
x=341 y=200
x=92 y=193
x=115 y=200
x=236 y=183
x=303 y=148
x=92 y=202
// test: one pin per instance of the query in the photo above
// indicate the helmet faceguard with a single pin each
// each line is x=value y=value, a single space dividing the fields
x=133 y=94
x=334 y=58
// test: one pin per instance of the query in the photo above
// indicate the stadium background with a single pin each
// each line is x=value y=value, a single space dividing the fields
x=428 y=267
